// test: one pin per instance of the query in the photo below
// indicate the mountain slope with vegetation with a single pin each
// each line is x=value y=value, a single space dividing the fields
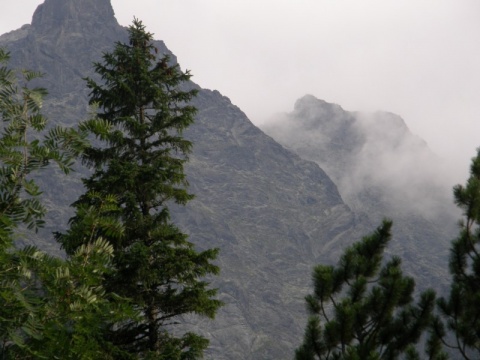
x=272 y=214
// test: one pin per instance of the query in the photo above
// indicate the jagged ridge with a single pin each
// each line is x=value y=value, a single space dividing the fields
x=272 y=214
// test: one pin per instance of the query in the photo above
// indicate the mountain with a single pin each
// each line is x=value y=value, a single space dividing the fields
x=272 y=213
x=381 y=170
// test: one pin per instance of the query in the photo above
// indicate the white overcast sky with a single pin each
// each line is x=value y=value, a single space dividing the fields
x=417 y=58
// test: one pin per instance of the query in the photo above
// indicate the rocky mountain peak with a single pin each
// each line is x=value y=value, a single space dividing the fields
x=313 y=113
x=83 y=16
x=307 y=103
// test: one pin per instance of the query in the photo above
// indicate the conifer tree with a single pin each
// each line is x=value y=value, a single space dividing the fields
x=363 y=309
x=460 y=311
x=143 y=104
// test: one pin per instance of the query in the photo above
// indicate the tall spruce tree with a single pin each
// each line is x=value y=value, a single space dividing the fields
x=460 y=311
x=144 y=108
x=363 y=309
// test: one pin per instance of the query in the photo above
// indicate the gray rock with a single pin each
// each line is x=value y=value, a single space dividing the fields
x=272 y=214
x=381 y=170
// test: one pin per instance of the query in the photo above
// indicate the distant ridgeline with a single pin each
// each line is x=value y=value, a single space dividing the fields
x=271 y=209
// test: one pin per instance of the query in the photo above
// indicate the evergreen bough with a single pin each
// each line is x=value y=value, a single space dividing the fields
x=49 y=307
x=363 y=308
x=457 y=326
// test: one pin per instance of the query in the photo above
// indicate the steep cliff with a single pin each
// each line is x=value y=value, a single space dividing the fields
x=381 y=170
x=272 y=214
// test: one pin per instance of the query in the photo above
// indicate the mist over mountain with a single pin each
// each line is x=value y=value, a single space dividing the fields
x=380 y=167
x=366 y=151
x=273 y=211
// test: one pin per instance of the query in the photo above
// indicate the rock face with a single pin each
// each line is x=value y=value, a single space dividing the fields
x=381 y=169
x=272 y=214
x=74 y=17
x=363 y=153
x=64 y=39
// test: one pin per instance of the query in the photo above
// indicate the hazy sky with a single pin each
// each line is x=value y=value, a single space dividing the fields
x=417 y=58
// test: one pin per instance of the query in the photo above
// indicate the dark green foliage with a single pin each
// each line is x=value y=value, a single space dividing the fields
x=57 y=309
x=461 y=309
x=50 y=308
x=23 y=151
x=363 y=308
x=143 y=109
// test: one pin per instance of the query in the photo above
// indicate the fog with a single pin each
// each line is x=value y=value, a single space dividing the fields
x=380 y=167
x=419 y=59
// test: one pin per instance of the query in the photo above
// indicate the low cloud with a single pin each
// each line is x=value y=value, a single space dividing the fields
x=376 y=162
